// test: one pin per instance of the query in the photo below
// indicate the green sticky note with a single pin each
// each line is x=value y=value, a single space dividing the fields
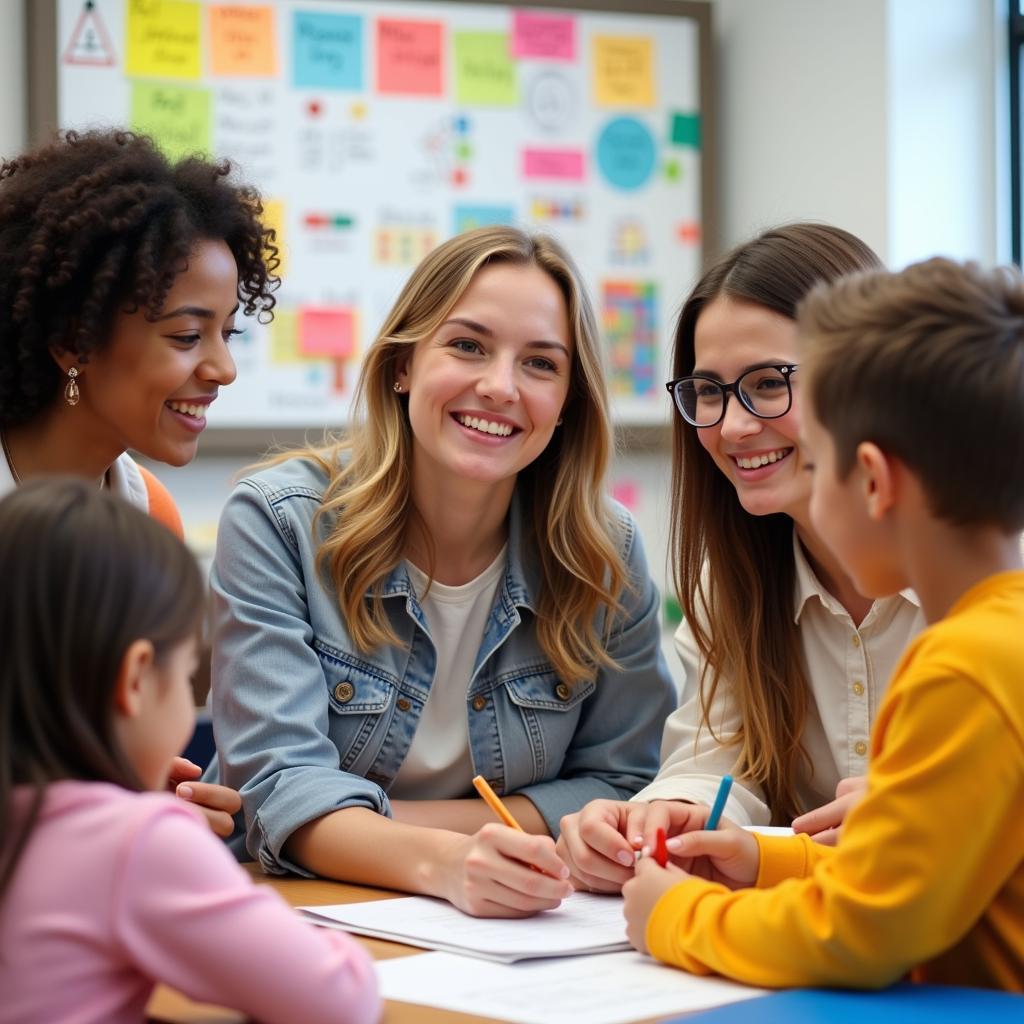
x=673 y=172
x=178 y=118
x=685 y=130
x=485 y=73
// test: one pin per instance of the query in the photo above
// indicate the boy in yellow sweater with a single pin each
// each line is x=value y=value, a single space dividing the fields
x=913 y=410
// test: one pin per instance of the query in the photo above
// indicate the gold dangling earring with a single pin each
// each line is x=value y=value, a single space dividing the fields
x=71 y=394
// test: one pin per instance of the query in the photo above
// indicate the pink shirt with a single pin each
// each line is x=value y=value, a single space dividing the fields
x=117 y=891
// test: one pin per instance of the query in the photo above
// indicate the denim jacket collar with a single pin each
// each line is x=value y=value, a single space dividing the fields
x=522 y=578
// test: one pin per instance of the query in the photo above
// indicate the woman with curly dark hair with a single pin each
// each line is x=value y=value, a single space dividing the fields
x=121 y=278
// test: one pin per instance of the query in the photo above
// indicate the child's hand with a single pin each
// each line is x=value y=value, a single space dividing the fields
x=218 y=803
x=491 y=873
x=600 y=842
x=823 y=823
x=648 y=884
x=728 y=855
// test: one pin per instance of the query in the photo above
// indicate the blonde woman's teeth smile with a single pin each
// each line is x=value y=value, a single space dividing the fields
x=761 y=458
x=482 y=425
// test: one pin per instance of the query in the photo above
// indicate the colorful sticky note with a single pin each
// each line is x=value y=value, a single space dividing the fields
x=283 y=333
x=468 y=217
x=409 y=57
x=273 y=217
x=553 y=164
x=626 y=152
x=627 y=492
x=685 y=130
x=624 y=71
x=327 y=331
x=162 y=39
x=547 y=36
x=485 y=74
x=327 y=50
x=176 y=116
x=242 y=41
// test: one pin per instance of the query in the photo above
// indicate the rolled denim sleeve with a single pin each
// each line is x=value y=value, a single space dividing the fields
x=269 y=693
x=614 y=751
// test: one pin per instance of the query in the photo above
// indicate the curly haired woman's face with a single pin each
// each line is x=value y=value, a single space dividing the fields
x=150 y=386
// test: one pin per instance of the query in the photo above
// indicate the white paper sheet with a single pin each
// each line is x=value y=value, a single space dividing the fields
x=611 y=988
x=584 y=923
x=770 y=830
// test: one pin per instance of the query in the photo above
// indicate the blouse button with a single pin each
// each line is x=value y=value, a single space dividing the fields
x=861 y=748
x=479 y=703
x=563 y=691
x=344 y=692
x=858 y=688
x=403 y=704
x=856 y=640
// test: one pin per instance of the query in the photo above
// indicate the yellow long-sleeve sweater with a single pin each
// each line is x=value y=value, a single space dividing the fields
x=929 y=871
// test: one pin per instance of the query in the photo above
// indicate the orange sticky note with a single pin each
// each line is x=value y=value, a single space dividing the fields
x=409 y=57
x=242 y=41
x=327 y=331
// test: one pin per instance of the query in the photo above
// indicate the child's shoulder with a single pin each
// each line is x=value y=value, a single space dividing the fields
x=108 y=808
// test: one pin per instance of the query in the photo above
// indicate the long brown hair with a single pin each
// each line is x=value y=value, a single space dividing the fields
x=569 y=525
x=85 y=575
x=734 y=572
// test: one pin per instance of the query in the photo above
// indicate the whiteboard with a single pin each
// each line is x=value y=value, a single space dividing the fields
x=377 y=129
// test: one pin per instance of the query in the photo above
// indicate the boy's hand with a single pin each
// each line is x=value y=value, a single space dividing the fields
x=729 y=855
x=218 y=803
x=648 y=884
x=823 y=823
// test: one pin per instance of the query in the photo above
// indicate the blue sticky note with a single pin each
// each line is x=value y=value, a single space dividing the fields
x=472 y=216
x=327 y=51
x=626 y=152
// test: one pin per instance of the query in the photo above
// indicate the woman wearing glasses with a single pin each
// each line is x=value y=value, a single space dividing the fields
x=784 y=660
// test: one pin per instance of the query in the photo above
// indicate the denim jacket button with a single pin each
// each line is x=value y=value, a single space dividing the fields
x=563 y=691
x=403 y=704
x=344 y=692
x=479 y=703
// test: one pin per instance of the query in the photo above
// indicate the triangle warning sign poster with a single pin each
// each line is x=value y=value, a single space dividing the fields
x=89 y=43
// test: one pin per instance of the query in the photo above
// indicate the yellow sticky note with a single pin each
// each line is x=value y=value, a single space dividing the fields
x=242 y=41
x=163 y=39
x=284 y=338
x=178 y=117
x=624 y=71
x=273 y=217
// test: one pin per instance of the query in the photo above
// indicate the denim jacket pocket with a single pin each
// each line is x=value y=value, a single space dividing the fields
x=361 y=698
x=542 y=690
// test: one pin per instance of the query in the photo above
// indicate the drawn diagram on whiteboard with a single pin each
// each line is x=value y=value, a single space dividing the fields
x=89 y=43
x=551 y=101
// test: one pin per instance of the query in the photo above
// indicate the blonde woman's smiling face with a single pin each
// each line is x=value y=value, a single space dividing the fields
x=760 y=457
x=487 y=388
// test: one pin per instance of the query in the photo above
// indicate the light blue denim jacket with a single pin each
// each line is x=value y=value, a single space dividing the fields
x=306 y=724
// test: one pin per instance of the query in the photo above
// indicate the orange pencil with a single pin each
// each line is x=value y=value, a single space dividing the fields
x=494 y=802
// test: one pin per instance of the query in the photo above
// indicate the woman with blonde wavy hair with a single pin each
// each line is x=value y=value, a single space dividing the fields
x=445 y=591
x=785 y=661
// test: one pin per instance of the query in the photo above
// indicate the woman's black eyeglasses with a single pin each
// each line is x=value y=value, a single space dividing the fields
x=765 y=391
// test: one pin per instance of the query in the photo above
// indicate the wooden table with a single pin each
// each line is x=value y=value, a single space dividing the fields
x=173 y=1008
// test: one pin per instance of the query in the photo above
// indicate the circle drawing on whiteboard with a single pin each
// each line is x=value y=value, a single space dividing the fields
x=626 y=153
x=551 y=100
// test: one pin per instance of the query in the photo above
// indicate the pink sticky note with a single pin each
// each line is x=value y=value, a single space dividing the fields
x=627 y=493
x=327 y=331
x=543 y=35
x=409 y=57
x=557 y=164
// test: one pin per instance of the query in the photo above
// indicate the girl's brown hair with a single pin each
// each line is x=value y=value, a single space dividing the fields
x=85 y=575
x=569 y=525
x=734 y=572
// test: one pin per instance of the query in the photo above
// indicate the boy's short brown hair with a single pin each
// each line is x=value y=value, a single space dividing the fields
x=928 y=364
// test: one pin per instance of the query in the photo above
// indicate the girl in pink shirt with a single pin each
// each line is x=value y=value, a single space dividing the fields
x=106 y=889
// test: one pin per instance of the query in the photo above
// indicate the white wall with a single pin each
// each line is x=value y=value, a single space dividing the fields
x=13 y=130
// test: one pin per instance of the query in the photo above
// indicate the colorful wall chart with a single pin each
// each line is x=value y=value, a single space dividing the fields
x=377 y=129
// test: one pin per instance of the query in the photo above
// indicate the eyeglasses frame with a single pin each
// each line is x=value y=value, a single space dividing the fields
x=786 y=369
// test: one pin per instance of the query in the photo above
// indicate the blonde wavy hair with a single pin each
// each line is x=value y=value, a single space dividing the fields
x=568 y=524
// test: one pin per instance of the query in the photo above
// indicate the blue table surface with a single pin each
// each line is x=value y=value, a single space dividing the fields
x=906 y=1003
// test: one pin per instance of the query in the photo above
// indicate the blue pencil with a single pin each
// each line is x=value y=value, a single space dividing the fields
x=716 y=812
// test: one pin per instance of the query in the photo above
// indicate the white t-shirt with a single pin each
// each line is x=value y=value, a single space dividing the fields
x=439 y=765
x=848 y=668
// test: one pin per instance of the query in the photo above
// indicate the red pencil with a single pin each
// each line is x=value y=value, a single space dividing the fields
x=660 y=849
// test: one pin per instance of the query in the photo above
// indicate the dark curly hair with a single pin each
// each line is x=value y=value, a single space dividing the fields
x=96 y=222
